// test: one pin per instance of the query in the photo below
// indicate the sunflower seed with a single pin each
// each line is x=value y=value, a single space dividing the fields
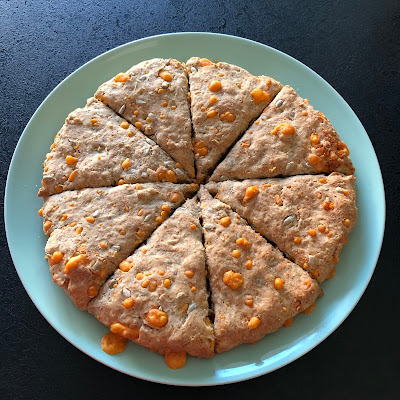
x=122 y=109
x=290 y=166
x=97 y=265
x=116 y=248
x=289 y=221
x=211 y=227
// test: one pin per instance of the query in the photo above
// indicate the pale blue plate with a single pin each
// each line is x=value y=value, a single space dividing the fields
x=26 y=239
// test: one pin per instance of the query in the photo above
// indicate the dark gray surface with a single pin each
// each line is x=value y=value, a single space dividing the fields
x=354 y=45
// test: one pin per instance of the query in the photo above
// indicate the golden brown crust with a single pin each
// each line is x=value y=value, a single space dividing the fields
x=289 y=138
x=308 y=217
x=167 y=274
x=156 y=104
x=158 y=297
x=97 y=148
x=221 y=115
x=102 y=226
x=259 y=306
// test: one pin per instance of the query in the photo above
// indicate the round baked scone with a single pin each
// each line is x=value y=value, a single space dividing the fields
x=130 y=240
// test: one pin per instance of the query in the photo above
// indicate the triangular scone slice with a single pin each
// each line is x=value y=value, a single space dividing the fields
x=153 y=96
x=158 y=298
x=254 y=288
x=289 y=138
x=308 y=216
x=97 y=148
x=92 y=230
x=225 y=99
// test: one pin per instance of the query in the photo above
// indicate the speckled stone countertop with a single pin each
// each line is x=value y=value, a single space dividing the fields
x=353 y=44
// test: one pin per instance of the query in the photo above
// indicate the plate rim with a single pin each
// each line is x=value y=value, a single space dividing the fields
x=243 y=376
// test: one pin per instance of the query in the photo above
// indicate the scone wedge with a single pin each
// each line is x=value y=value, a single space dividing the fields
x=92 y=230
x=309 y=217
x=158 y=298
x=289 y=138
x=153 y=96
x=254 y=288
x=98 y=148
x=225 y=99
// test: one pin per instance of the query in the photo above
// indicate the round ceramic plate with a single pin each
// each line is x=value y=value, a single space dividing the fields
x=27 y=241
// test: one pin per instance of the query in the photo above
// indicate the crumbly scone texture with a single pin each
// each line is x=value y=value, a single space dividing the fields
x=289 y=138
x=95 y=229
x=153 y=96
x=98 y=148
x=308 y=217
x=225 y=99
x=203 y=275
x=247 y=302
x=161 y=301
